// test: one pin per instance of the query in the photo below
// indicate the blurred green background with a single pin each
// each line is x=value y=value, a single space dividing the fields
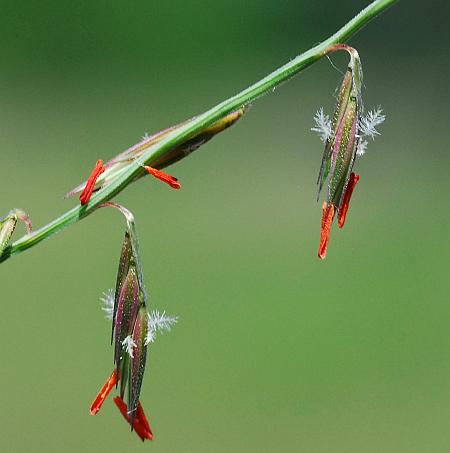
x=275 y=350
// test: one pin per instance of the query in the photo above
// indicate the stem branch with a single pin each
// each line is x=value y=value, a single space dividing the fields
x=196 y=125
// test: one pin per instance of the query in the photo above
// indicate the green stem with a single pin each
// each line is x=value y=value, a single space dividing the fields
x=196 y=125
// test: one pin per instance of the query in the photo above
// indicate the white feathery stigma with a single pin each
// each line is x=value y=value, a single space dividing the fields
x=158 y=322
x=129 y=344
x=323 y=125
x=368 y=123
x=361 y=148
x=107 y=300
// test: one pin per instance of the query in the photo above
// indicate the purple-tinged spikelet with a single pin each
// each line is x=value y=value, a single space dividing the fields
x=343 y=138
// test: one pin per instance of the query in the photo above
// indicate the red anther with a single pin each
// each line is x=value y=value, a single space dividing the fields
x=104 y=392
x=168 y=179
x=346 y=200
x=327 y=219
x=140 y=422
x=141 y=418
x=89 y=188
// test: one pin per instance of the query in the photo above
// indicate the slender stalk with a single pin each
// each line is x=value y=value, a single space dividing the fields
x=196 y=125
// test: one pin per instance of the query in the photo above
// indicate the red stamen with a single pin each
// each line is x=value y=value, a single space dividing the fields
x=327 y=219
x=90 y=185
x=104 y=392
x=346 y=200
x=141 y=418
x=141 y=425
x=168 y=179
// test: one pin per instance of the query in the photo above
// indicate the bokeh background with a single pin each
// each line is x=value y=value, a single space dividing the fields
x=275 y=350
